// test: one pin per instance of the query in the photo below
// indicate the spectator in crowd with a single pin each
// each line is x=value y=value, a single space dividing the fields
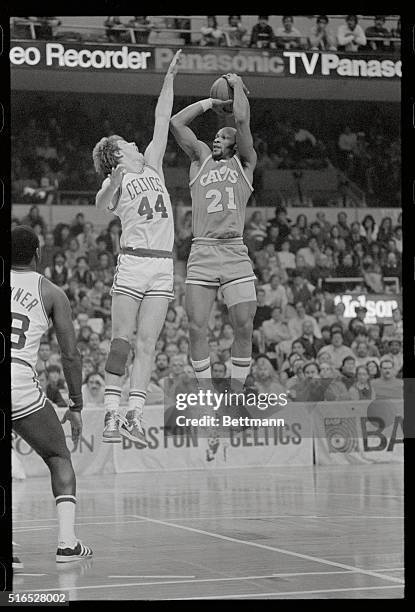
x=59 y=273
x=262 y=35
x=378 y=31
x=295 y=323
x=93 y=390
x=362 y=353
x=387 y=386
x=47 y=252
x=362 y=389
x=275 y=329
x=142 y=26
x=311 y=343
x=161 y=367
x=321 y=36
x=114 y=29
x=34 y=218
x=395 y=329
x=337 y=350
x=276 y=294
x=350 y=36
x=265 y=377
x=44 y=355
x=373 y=369
x=288 y=37
x=235 y=32
x=62 y=236
x=334 y=388
x=72 y=253
x=212 y=35
x=395 y=353
x=348 y=371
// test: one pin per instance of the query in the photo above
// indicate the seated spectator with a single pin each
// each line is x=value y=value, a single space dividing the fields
x=395 y=353
x=212 y=35
x=395 y=329
x=347 y=268
x=82 y=274
x=334 y=389
x=285 y=257
x=262 y=35
x=93 y=390
x=385 y=232
x=62 y=236
x=387 y=386
x=362 y=353
x=350 y=36
x=362 y=389
x=310 y=252
x=311 y=343
x=373 y=369
x=378 y=31
x=142 y=27
x=275 y=329
x=348 y=371
x=87 y=238
x=33 y=217
x=47 y=252
x=161 y=367
x=288 y=37
x=392 y=268
x=321 y=37
x=59 y=273
x=72 y=253
x=114 y=29
x=337 y=349
x=295 y=324
x=235 y=32
x=266 y=378
x=105 y=269
x=276 y=294
x=301 y=289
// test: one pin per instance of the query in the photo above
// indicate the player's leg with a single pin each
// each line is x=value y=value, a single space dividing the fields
x=43 y=432
x=241 y=301
x=199 y=303
x=123 y=317
x=150 y=321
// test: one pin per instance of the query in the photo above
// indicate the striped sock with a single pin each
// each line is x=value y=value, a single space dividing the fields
x=136 y=400
x=202 y=368
x=112 y=398
x=240 y=368
x=65 y=507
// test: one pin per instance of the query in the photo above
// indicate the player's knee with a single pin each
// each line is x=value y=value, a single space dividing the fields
x=117 y=356
x=197 y=327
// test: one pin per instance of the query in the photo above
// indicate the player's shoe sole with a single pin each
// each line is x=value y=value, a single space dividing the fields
x=66 y=555
x=112 y=439
x=134 y=435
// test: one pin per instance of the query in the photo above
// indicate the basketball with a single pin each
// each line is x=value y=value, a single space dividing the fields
x=221 y=90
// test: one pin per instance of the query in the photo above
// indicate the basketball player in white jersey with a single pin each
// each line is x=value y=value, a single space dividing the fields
x=135 y=191
x=35 y=300
x=220 y=186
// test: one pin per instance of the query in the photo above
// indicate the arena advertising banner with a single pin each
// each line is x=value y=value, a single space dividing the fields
x=291 y=444
x=379 y=306
x=127 y=58
x=358 y=432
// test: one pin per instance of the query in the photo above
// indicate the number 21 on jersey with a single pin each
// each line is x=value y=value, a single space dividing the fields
x=217 y=205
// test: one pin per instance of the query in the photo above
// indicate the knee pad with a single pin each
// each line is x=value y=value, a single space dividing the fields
x=117 y=357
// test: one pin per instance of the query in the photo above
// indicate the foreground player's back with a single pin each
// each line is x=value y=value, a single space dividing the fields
x=220 y=192
x=29 y=318
x=145 y=211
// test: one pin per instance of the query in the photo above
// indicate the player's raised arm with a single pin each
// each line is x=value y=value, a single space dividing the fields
x=186 y=138
x=242 y=114
x=155 y=151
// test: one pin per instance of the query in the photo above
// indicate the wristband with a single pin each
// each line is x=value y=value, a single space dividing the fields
x=75 y=403
x=206 y=104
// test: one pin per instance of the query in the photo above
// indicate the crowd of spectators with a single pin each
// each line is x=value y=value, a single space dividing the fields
x=302 y=341
x=50 y=154
x=350 y=36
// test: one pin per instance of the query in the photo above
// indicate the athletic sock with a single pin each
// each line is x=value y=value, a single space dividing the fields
x=112 y=398
x=136 y=401
x=240 y=368
x=202 y=368
x=65 y=507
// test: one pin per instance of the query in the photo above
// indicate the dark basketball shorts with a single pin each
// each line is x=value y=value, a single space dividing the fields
x=222 y=264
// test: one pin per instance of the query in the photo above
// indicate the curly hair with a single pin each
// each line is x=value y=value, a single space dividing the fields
x=105 y=154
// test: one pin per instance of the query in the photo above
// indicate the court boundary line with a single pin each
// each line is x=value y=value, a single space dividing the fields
x=282 y=594
x=273 y=548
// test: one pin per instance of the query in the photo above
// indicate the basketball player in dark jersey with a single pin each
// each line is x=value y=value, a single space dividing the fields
x=220 y=185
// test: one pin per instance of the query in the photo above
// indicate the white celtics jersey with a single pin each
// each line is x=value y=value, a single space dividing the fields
x=145 y=211
x=29 y=318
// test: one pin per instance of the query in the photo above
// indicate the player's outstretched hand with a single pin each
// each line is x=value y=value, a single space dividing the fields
x=173 y=68
x=233 y=78
x=117 y=175
x=75 y=420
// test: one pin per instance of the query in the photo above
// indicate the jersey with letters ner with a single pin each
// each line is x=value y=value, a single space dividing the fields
x=145 y=211
x=29 y=319
x=220 y=192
